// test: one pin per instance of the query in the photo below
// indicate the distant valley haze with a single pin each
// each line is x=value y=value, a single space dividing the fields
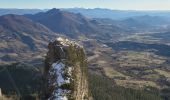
x=109 y=4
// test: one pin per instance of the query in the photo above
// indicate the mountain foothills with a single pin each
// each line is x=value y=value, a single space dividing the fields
x=80 y=54
x=21 y=37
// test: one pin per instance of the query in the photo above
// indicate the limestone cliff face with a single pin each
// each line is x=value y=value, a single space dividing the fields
x=66 y=71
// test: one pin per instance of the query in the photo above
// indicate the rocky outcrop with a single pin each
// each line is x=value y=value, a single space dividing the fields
x=66 y=71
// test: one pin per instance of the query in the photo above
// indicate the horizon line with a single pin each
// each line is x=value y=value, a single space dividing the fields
x=91 y=8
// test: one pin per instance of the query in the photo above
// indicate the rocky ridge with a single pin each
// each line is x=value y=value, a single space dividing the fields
x=66 y=71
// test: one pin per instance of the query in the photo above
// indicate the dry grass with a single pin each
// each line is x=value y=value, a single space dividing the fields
x=111 y=73
x=153 y=77
x=144 y=37
x=138 y=59
x=164 y=73
x=136 y=83
x=8 y=98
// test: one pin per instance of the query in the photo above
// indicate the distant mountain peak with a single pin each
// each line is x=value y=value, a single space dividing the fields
x=64 y=22
x=54 y=10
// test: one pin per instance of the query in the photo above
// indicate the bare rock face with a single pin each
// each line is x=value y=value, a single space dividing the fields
x=66 y=71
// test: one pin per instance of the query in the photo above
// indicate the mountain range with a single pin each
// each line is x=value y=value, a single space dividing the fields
x=32 y=32
x=65 y=22
x=93 y=13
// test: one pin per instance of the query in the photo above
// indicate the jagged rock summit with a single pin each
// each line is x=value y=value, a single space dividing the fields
x=66 y=71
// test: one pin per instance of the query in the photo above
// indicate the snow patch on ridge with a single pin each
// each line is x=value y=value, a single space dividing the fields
x=66 y=42
x=60 y=75
x=58 y=70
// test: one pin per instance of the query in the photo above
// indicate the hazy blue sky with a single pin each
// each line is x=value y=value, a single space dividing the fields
x=112 y=4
